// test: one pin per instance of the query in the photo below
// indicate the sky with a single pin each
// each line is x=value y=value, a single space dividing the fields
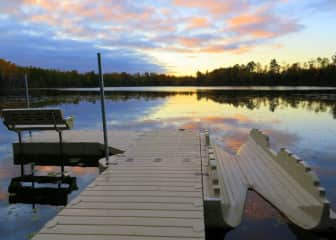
x=176 y=37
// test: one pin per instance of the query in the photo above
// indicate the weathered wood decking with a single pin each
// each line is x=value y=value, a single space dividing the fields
x=152 y=191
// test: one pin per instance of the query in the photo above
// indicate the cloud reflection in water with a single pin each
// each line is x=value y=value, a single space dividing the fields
x=304 y=124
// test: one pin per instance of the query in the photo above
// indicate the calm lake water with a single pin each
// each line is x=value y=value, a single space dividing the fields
x=302 y=120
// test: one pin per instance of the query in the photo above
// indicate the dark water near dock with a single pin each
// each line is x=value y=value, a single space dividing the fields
x=302 y=120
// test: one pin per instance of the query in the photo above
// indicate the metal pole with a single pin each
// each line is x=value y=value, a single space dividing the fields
x=27 y=95
x=101 y=83
x=27 y=90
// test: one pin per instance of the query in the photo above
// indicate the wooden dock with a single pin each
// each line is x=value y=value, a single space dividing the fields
x=151 y=191
x=172 y=184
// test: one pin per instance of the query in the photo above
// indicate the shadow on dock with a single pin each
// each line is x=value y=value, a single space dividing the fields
x=303 y=234
x=218 y=234
x=83 y=154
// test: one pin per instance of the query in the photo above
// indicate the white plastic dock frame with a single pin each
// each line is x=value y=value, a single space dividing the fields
x=283 y=179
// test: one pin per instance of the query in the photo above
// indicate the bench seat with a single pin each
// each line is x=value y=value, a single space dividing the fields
x=30 y=119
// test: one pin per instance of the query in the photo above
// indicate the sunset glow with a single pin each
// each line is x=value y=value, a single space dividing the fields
x=171 y=36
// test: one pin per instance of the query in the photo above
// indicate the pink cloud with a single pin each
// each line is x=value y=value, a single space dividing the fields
x=246 y=19
x=261 y=24
x=45 y=4
x=213 y=6
x=198 y=22
x=179 y=26
x=239 y=49
x=190 y=41
x=262 y=34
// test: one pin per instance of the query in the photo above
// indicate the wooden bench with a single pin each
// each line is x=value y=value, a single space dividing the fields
x=30 y=119
x=36 y=119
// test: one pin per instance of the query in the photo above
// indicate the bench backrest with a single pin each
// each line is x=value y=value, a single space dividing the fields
x=36 y=118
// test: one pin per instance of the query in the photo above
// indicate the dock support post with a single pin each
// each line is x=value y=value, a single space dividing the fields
x=102 y=101
x=207 y=138
x=27 y=95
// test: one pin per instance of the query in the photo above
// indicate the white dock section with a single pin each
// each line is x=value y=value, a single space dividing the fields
x=152 y=191
x=235 y=192
x=283 y=179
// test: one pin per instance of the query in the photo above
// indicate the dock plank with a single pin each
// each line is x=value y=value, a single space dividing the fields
x=121 y=230
x=43 y=236
x=151 y=191
x=131 y=221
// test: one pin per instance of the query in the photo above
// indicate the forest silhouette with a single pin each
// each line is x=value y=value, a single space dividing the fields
x=316 y=72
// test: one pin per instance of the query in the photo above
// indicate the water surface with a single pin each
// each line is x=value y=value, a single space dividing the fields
x=302 y=120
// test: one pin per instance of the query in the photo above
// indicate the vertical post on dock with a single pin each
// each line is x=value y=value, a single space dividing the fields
x=27 y=90
x=30 y=133
x=102 y=100
x=27 y=95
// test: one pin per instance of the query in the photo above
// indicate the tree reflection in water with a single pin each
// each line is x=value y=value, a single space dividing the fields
x=311 y=100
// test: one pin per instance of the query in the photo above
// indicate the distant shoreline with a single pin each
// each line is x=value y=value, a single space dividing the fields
x=320 y=72
x=181 y=88
x=173 y=89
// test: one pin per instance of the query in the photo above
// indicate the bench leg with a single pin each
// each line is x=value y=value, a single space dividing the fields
x=32 y=173
x=61 y=152
x=32 y=168
x=21 y=154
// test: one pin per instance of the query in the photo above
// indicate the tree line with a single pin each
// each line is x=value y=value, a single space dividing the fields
x=316 y=72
